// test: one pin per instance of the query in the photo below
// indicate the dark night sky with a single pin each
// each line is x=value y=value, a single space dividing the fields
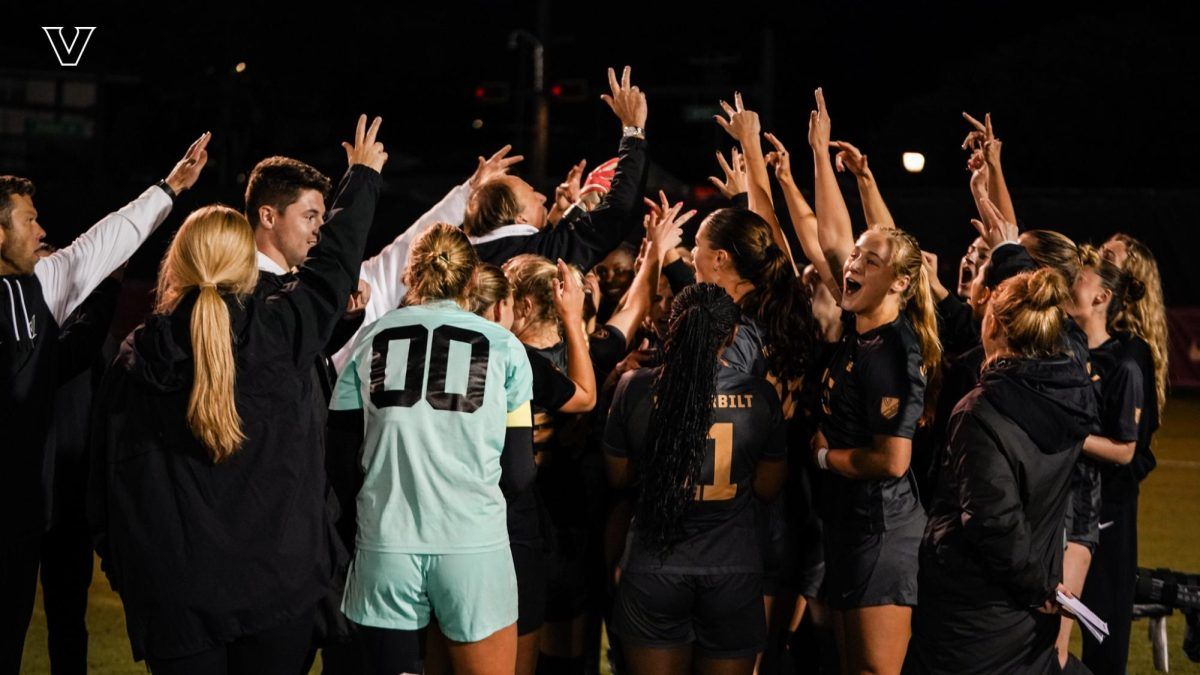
x=1096 y=107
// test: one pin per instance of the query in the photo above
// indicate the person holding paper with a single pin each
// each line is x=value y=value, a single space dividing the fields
x=991 y=559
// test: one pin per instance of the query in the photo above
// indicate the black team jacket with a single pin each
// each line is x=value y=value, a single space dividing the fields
x=581 y=238
x=993 y=548
x=203 y=554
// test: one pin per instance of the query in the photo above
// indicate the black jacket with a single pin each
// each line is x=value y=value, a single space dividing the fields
x=993 y=548
x=581 y=238
x=203 y=554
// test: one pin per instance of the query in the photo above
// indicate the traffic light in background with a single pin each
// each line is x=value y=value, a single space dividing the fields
x=493 y=92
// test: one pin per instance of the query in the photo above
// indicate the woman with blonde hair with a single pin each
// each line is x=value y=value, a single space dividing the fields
x=992 y=554
x=446 y=437
x=874 y=394
x=208 y=487
x=1140 y=325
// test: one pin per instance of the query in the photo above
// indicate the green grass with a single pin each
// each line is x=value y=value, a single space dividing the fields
x=1168 y=519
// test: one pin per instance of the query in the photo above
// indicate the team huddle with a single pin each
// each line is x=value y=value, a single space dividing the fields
x=515 y=427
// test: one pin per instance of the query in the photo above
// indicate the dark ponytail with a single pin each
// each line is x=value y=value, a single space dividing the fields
x=703 y=317
x=779 y=302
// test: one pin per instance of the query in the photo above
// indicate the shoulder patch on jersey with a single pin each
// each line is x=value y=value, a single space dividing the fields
x=889 y=406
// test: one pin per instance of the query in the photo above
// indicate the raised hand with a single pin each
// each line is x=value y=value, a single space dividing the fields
x=818 y=124
x=994 y=228
x=742 y=124
x=492 y=167
x=359 y=299
x=930 y=262
x=628 y=102
x=980 y=174
x=735 y=182
x=850 y=157
x=188 y=169
x=568 y=294
x=567 y=192
x=981 y=132
x=366 y=150
x=664 y=226
x=779 y=158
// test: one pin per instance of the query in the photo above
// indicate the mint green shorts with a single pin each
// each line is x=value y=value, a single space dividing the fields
x=472 y=594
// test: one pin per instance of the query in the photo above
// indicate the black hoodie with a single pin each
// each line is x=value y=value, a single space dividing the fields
x=993 y=547
x=205 y=553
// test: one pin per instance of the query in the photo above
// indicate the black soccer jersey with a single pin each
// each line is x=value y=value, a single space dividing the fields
x=718 y=534
x=873 y=387
x=1128 y=409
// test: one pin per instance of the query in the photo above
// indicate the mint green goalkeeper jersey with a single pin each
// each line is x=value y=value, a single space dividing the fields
x=438 y=387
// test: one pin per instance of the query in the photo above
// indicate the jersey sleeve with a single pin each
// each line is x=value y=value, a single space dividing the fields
x=551 y=386
x=72 y=273
x=1121 y=391
x=893 y=388
x=518 y=378
x=775 y=431
x=347 y=392
x=616 y=440
x=607 y=346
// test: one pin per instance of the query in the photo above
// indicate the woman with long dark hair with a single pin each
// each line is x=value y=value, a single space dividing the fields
x=992 y=555
x=702 y=438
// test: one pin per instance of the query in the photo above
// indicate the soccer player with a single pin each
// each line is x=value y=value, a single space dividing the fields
x=702 y=439
x=444 y=396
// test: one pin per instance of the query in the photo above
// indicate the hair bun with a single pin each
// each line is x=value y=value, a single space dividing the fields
x=1137 y=290
x=1047 y=290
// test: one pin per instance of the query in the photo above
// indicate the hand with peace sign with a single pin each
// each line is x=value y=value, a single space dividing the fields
x=982 y=140
x=492 y=167
x=735 y=174
x=628 y=102
x=188 y=169
x=742 y=124
x=366 y=150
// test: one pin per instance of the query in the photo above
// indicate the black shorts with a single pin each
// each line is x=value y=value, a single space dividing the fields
x=529 y=561
x=1083 y=511
x=865 y=569
x=721 y=613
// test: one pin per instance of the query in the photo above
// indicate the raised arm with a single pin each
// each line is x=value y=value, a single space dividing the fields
x=385 y=270
x=72 y=273
x=804 y=221
x=567 y=194
x=984 y=138
x=835 y=234
x=875 y=210
x=309 y=309
x=743 y=126
x=591 y=236
x=568 y=302
x=664 y=231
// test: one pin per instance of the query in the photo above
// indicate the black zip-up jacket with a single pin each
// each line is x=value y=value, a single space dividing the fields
x=582 y=238
x=203 y=554
x=993 y=548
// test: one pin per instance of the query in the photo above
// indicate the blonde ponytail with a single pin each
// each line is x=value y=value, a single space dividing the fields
x=1145 y=314
x=213 y=251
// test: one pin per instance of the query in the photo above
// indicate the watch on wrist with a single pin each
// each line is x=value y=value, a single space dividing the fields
x=167 y=189
x=637 y=132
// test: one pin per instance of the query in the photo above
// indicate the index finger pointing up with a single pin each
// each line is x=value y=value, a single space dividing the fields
x=360 y=131
x=612 y=81
x=625 y=78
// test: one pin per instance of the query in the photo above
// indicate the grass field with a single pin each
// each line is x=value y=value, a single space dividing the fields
x=1169 y=525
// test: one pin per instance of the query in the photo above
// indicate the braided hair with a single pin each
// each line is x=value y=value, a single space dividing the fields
x=703 y=318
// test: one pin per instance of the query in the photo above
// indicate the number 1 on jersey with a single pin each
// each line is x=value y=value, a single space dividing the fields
x=721 y=488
